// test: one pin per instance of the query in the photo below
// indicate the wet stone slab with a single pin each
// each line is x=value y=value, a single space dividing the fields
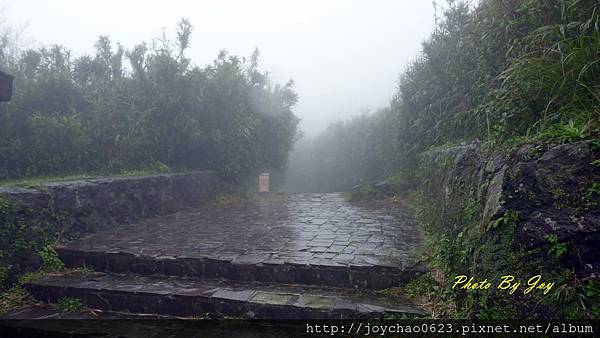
x=264 y=240
x=274 y=298
x=318 y=302
x=178 y=296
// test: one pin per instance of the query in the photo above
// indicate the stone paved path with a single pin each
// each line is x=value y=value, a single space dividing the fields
x=301 y=256
x=314 y=229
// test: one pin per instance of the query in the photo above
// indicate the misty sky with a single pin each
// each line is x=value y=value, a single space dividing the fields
x=344 y=55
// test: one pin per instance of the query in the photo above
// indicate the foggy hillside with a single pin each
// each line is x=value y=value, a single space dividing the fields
x=217 y=161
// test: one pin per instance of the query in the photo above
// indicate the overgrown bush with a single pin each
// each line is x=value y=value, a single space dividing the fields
x=499 y=70
x=24 y=247
x=96 y=114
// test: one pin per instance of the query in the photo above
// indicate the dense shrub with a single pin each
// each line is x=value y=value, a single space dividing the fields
x=95 y=114
x=497 y=71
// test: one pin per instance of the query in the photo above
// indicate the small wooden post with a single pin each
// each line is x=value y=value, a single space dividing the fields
x=263 y=182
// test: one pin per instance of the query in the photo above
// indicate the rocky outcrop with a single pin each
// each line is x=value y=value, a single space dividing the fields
x=552 y=189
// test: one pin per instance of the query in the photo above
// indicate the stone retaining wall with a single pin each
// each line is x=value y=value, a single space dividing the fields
x=31 y=219
x=89 y=205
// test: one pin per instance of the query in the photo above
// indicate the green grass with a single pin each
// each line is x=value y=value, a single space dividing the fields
x=37 y=182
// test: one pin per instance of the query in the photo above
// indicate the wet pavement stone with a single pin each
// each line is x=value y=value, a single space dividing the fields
x=192 y=297
x=316 y=239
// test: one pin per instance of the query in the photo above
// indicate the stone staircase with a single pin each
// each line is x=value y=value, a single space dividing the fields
x=188 y=297
x=302 y=258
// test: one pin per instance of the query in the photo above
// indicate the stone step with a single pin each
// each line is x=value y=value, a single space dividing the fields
x=245 y=268
x=43 y=320
x=188 y=297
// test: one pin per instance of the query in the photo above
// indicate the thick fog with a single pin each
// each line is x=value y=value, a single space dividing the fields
x=344 y=56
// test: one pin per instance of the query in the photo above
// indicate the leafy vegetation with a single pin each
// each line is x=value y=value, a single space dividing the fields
x=576 y=297
x=501 y=72
x=594 y=189
x=13 y=298
x=556 y=249
x=50 y=259
x=68 y=304
x=18 y=257
x=16 y=245
x=145 y=108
